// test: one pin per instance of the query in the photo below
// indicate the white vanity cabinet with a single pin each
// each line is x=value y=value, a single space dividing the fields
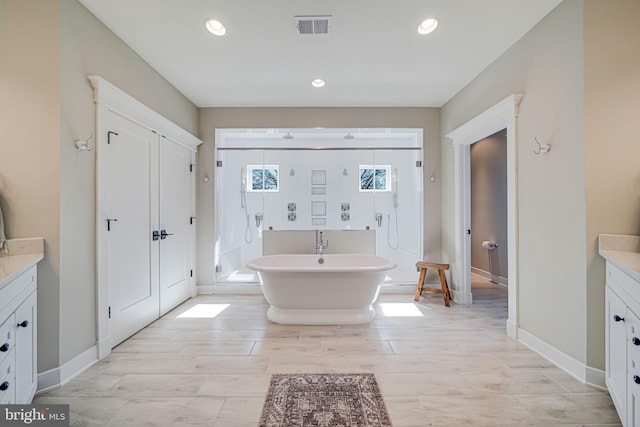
x=633 y=367
x=7 y=361
x=616 y=350
x=18 y=370
x=622 y=325
x=622 y=349
x=26 y=346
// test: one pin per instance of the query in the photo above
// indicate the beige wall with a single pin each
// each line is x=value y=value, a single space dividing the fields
x=48 y=48
x=211 y=118
x=30 y=148
x=612 y=94
x=546 y=65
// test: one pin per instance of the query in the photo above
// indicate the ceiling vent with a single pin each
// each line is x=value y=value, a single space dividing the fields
x=318 y=25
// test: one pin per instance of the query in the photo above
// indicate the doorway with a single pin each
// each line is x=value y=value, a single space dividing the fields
x=503 y=115
x=489 y=242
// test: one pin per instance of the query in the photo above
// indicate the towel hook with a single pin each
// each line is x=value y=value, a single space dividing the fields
x=83 y=145
x=542 y=148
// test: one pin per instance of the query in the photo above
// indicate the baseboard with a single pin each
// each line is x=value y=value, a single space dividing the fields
x=458 y=296
x=236 y=289
x=512 y=330
x=490 y=276
x=398 y=289
x=576 y=369
x=204 y=289
x=59 y=376
x=596 y=378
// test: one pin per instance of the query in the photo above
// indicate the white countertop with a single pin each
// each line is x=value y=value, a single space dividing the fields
x=622 y=251
x=23 y=254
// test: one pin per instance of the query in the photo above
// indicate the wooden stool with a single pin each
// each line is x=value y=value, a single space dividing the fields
x=423 y=266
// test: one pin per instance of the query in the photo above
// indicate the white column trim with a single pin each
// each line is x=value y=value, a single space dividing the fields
x=500 y=116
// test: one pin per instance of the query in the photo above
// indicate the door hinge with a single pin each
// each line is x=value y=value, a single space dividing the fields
x=468 y=231
x=191 y=167
x=109 y=221
x=418 y=163
x=191 y=273
x=191 y=219
x=218 y=268
x=109 y=136
x=219 y=163
x=109 y=312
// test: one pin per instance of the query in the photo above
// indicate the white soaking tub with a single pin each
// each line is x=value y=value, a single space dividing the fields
x=329 y=289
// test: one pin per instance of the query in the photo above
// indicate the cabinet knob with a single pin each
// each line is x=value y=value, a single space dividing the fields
x=4 y=347
x=636 y=379
x=618 y=318
x=4 y=385
x=635 y=340
x=24 y=323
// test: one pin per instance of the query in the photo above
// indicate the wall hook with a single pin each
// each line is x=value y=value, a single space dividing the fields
x=84 y=145
x=542 y=148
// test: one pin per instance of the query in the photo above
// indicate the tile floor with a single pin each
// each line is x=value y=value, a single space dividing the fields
x=445 y=367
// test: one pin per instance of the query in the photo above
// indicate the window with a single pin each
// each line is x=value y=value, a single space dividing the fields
x=375 y=177
x=263 y=178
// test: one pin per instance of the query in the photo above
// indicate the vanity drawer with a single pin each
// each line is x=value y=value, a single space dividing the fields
x=24 y=284
x=7 y=336
x=624 y=285
x=7 y=376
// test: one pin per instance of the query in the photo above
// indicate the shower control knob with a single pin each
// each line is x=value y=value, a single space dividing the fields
x=24 y=323
x=5 y=347
x=4 y=386
x=635 y=340
x=636 y=379
x=618 y=318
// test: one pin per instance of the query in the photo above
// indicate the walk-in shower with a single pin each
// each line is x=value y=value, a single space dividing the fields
x=365 y=193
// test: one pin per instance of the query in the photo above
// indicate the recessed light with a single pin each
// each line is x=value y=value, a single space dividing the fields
x=318 y=82
x=215 y=27
x=428 y=26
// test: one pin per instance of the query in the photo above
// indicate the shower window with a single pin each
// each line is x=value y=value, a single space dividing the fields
x=375 y=177
x=263 y=178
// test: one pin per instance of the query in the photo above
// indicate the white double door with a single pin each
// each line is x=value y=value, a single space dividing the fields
x=146 y=214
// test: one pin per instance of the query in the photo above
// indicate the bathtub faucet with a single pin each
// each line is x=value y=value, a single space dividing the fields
x=321 y=245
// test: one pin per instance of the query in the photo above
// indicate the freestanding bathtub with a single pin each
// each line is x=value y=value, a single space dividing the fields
x=321 y=289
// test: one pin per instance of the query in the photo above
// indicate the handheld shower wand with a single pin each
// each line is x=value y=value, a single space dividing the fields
x=248 y=235
x=395 y=211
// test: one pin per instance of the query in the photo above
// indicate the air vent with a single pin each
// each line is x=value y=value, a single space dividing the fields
x=318 y=25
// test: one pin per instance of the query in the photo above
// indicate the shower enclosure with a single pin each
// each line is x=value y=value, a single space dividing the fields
x=275 y=189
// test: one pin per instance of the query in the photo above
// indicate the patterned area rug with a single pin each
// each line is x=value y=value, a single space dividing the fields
x=324 y=400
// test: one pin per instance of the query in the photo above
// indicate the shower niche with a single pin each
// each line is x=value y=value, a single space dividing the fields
x=274 y=189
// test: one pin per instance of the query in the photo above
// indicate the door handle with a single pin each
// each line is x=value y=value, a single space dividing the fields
x=109 y=221
x=164 y=234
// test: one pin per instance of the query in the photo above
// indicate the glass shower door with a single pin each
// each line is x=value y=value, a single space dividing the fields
x=239 y=214
x=398 y=206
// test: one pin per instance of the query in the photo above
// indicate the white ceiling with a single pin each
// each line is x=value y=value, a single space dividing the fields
x=372 y=57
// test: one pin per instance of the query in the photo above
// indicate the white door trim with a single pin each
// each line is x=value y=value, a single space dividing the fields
x=503 y=115
x=110 y=98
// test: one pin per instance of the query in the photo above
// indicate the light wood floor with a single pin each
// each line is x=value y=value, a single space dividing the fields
x=442 y=366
